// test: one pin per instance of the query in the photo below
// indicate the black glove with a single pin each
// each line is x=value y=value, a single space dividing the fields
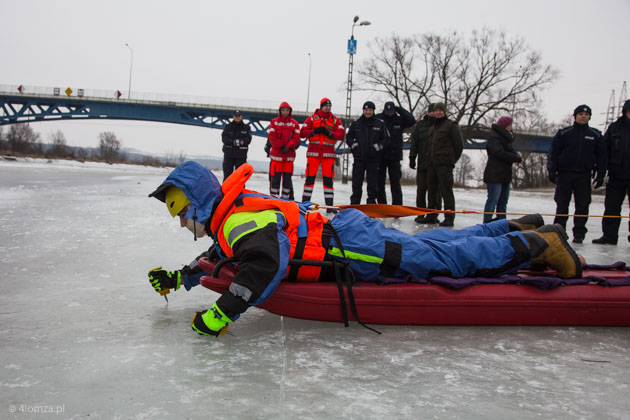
x=320 y=130
x=330 y=134
x=598 y=182
x=284 y=149
x=412 y=163
x=552 y=177
x=161 y=279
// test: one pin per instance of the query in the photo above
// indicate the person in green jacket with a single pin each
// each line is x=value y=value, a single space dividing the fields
x=418 y=149
x=444 y=147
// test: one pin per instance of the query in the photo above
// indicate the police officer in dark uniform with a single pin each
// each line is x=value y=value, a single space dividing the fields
x=367 y=138
x=236 y=137
x=576 y=152
x=397 y=121
x=617 y=139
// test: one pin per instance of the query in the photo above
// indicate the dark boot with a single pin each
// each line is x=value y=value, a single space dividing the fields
x=548 y=245
x=447 y=223
x=606 y=240
x=528 y=222
x=421 y=219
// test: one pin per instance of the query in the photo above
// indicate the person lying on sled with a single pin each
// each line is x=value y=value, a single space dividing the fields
x=263 y=232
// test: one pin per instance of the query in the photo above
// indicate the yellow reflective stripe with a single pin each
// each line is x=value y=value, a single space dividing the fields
x=356 y=256
x=240 y=224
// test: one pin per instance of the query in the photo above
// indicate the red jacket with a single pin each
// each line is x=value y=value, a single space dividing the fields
x=283 y=131
x=321 y=145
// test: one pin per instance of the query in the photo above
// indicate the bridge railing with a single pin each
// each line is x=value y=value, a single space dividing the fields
x=148 y=97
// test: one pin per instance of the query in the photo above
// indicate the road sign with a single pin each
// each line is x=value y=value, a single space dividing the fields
x=20 y=88
x=68 y=91
x=352 y=46
x=118 y=94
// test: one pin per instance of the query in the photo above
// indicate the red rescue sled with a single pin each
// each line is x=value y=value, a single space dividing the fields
x=429 y=304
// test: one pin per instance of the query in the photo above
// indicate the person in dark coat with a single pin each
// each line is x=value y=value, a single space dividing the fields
x=236 y=137
x=397 y=121
x=367 y=138
x=418 y=149
x=444 y=147
x=617 y=140
x=498 y=172
x=576 y=152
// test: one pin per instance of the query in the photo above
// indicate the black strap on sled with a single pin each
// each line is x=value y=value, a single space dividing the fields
x=350 y=280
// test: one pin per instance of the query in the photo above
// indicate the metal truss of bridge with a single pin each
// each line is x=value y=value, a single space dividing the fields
x=16 y=107
x=20 y=108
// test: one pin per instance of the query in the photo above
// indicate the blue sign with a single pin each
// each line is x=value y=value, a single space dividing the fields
x=352 y=46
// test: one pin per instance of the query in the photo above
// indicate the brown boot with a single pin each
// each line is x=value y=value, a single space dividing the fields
x=528 y=222
x=548 y=245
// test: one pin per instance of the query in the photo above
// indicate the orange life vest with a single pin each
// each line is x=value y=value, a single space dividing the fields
x=303 y=228
x=329 y=124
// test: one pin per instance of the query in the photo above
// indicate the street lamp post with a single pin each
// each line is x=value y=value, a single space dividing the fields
x=308 y=91
x=352 y=50
x=130 y=71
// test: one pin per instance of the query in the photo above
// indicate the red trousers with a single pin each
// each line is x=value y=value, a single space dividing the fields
x=280 y=172
x=328 y=173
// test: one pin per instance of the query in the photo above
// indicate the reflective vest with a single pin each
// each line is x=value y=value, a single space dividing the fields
x=244 y=211
x=329 y=124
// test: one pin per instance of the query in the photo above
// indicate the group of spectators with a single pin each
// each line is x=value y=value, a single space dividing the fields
x=376 y=143
x=578 y=154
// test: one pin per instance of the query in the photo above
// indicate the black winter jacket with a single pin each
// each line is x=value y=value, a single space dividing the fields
x=236 y=138
x=617 y=139
x=501 y=156
x=418 y=140
x=396 y=125
x=578 y=148
x=364 y=134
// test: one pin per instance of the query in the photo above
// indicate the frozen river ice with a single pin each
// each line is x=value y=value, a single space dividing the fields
x=82 y=333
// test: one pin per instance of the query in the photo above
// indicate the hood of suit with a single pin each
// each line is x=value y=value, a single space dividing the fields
x=201 y=186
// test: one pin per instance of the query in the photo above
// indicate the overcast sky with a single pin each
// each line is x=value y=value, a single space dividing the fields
x=258 y=50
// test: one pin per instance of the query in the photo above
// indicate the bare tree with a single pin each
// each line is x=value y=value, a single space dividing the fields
x=181 y=158
x=532 y=173
x=59 y=145
x=398 y=69
x=109 y=146
x=478 y=77
x=21 y=138
x=464 y=169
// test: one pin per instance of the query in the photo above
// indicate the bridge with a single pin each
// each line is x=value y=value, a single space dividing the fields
x=21 y=104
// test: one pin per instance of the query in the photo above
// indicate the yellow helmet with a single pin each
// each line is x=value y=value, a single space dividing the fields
x=176 y=200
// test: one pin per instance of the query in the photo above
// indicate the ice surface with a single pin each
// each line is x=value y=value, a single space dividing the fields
x=82 y=331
